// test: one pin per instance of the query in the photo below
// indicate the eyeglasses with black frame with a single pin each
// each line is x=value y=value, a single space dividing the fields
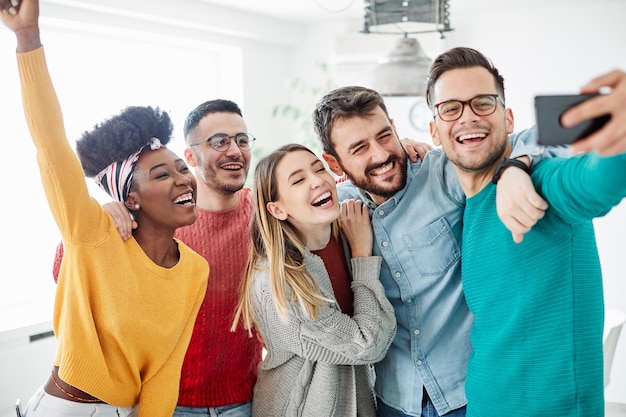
x=221 y=141
x=481 y=105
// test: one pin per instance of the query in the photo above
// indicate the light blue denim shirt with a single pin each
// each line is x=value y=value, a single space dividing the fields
x=418 y=234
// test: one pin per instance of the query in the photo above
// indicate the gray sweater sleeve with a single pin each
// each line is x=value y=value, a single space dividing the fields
x=334 y=337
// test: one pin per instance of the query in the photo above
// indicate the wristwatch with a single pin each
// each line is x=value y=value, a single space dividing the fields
x=506 y=163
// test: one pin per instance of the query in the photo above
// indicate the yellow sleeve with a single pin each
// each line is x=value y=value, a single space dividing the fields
x=77 y=215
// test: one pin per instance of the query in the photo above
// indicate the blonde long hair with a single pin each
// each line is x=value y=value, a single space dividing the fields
x=279 y=245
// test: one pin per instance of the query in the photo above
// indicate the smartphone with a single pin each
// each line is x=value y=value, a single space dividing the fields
x=550 y=108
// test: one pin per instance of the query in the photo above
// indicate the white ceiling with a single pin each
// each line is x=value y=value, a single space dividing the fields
x=298 y=10
x=304 y=11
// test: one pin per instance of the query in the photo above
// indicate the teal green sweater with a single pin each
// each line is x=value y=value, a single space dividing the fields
x=538 y=305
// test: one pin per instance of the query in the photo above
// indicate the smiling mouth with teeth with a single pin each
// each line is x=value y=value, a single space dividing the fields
x=321 y=200
x=382 y=170
x=232 y=167
x=471 y=137
x=184 y=199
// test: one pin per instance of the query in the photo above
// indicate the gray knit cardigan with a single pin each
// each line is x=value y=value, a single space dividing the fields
x=323 y=367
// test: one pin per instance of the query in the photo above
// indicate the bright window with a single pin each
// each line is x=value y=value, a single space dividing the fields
x=97 y=71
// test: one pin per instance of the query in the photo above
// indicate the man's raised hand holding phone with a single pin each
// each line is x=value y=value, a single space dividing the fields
x=610 y=139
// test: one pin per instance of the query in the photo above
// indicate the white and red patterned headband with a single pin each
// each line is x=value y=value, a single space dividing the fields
x=115 y=179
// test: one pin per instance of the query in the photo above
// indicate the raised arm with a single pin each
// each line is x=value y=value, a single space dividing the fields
x=611 y=139
x=22 y=18
x=577 y=188
x=61 y=172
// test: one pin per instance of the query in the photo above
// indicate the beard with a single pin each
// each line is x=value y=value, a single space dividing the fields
x=393 y=185
x=484 y=164
x=210 y=176
x=228 y=188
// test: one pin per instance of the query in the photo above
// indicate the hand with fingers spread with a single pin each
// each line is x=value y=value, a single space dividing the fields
x=355 y=223
x=415 y=150
x=611 y=139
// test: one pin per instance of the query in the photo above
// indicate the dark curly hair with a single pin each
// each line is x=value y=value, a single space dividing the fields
x=117 y=138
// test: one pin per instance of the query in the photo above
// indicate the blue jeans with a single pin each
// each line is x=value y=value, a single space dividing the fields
x=232 y=410
x=428 y=410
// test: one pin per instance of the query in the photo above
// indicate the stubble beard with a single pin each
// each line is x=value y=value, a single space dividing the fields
x=365 y=183
x=211 y=180
x=492 y=158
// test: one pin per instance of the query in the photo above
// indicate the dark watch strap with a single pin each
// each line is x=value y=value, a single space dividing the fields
x=506 y=163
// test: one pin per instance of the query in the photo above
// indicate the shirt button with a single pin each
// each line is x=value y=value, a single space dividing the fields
x=416 y=332
x=398 y=274
x=385 y=244
x=409 y=300
x=381 y=212
x=419 y=363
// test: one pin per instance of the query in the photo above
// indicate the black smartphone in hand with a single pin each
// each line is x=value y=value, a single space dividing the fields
x=550 y=108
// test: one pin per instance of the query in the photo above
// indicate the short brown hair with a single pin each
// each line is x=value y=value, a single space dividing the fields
x=456 y=58
x=342 y=103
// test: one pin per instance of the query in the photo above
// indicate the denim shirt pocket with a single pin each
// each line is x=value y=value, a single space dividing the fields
x=434 y=248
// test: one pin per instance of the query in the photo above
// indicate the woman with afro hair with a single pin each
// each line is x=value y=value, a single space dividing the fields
x=124 y=309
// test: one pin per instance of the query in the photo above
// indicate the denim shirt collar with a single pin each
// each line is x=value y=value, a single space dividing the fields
x=393 y=201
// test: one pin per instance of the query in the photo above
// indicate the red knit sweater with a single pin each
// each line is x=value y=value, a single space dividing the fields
x=220 y=366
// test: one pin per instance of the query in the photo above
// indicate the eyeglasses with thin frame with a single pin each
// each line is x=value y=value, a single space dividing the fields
x=221 y=141
x=481 y=105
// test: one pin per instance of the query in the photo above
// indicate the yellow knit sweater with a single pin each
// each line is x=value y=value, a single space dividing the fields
x=122 y=322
